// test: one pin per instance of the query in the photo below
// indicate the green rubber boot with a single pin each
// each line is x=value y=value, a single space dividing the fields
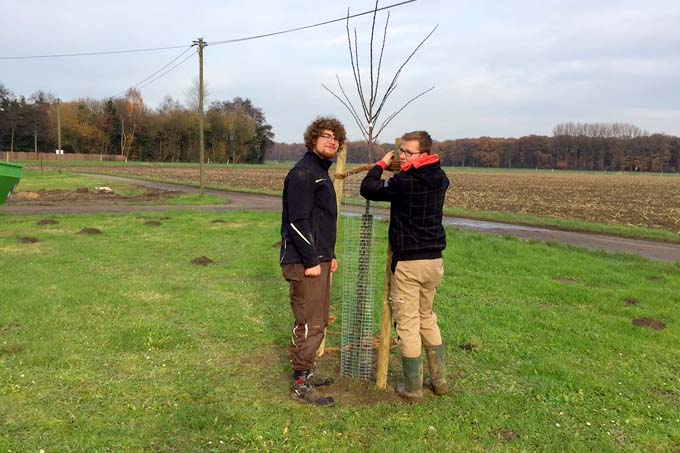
x=435 y=359
x=412 y=388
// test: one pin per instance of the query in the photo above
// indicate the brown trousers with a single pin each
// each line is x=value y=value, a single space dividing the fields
x=309 y=301
x=414 y=284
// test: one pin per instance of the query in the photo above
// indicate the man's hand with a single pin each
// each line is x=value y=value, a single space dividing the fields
x=387 y=158
x=334 y=265
x=313 y=271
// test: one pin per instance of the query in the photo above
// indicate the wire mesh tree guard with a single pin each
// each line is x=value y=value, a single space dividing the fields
x=358 y=289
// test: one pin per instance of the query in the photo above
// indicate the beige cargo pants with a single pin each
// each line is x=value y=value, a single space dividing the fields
x=413 y=287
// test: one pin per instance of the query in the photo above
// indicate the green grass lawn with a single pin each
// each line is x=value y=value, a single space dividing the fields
x=116 y=342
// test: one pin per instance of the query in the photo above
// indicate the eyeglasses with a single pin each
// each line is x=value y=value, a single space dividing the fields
x=407 y=152
x=329 y=137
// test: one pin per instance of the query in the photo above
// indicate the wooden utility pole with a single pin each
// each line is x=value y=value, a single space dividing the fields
x=58 y=126
x=201 y=140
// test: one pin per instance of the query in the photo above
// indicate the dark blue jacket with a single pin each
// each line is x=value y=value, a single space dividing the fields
x=309 y=216
x=416 y=198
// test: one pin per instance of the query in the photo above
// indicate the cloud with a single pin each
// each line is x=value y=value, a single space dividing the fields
x=500 y=68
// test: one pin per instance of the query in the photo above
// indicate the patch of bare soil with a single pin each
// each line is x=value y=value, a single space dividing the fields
x=506 y=435
x=47 y=222
x=10 y=349
x=565 y=280
x=11 y=326
x=642 y=200
x=631 y=301
x=345 y=391
x=665 y=393
x=152 y=223
x=202 y=261
x=649 y=323
x=469 y=347
x=84 y=195
x=90 y=231
x=28 y=240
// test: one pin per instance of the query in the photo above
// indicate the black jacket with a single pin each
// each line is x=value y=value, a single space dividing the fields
x=309 y=217
x=416 y=198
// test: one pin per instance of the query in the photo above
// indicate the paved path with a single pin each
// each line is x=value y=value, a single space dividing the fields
x=237 y=201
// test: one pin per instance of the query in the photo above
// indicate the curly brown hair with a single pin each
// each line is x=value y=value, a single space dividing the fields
x=321 y=124
x=424 y=140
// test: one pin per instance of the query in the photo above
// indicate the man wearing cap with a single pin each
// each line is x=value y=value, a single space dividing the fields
x=417 y=238
x=308 y=232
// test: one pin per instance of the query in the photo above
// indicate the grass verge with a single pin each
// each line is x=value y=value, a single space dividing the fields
x=634 y=232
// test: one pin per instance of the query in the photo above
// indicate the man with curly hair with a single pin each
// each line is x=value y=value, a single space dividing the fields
x=308 y=230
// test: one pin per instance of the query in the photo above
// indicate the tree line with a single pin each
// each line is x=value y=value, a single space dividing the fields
x=573 y=146
x=235 y=131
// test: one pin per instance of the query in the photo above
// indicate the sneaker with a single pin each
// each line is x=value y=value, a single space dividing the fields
x=307 y=394
x=319 y=381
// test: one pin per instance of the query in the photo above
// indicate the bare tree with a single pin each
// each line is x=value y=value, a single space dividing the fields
x=191 y=94
x=372 y=100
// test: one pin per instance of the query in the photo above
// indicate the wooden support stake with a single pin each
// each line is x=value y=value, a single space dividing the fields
x=386 y=319
x=339 y=186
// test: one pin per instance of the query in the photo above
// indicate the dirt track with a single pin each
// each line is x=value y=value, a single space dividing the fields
x=236 y=201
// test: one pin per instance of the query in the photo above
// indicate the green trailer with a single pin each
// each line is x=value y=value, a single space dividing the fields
x=10 y=174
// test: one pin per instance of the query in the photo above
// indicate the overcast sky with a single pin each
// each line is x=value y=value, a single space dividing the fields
x=499 y=68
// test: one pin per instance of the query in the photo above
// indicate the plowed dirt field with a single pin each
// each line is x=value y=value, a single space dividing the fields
x=651 y=201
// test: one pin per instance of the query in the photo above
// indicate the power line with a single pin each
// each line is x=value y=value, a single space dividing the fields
x=137 y=85
x=215 y=43
x=84 y=54
x=166 y=72
x=231 y=41
x=146 y=82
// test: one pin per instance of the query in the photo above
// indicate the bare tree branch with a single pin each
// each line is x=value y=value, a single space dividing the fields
x=393 y=115
x=375 y=12
x=388 y=93
x=351 y=58
x=361 y=127
x=382 y=50
x=360 y=87
x=396 y=76
x=342 y=89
